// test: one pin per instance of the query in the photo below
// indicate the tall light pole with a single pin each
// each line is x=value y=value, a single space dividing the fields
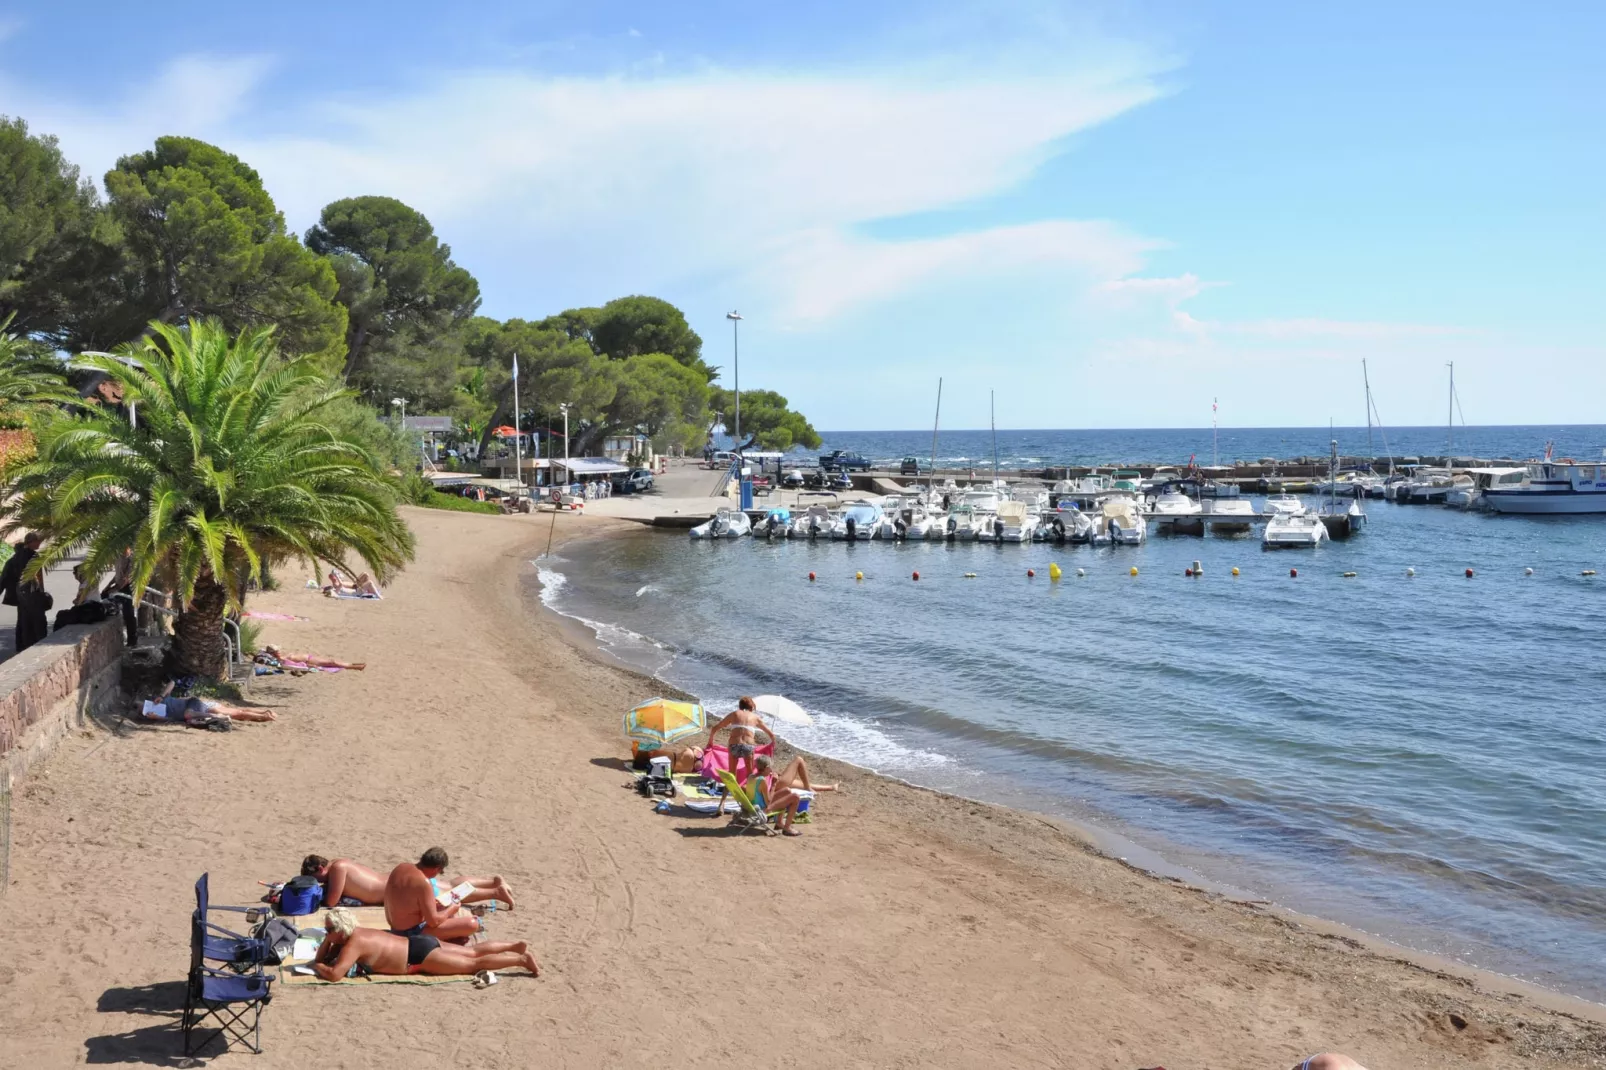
x=567 y=476
x=736 y=359
x=518 y=430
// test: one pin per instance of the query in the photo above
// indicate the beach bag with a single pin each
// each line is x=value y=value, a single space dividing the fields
x=301 y=895
x=278 y=937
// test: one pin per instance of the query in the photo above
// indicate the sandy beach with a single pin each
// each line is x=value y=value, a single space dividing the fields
x=904 y=929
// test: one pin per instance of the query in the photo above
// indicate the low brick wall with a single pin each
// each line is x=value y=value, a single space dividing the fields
x=51 y=688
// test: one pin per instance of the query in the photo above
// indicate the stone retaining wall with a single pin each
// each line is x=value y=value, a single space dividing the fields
x=51 y=688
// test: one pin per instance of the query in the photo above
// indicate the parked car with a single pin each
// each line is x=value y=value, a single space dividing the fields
x=844 y=460
x=635 y=481
x=909 y=467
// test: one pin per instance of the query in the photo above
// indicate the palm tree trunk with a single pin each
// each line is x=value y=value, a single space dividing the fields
x=198 y=644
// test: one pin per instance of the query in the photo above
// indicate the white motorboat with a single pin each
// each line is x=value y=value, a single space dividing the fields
x=1015 y=522
x=1551 y=487
x=1428 y=486
x=1463 y=492
x=777 y=523
x=1067 y=524
x=1083 y=493
x=857 y=521
x=1293 y=530
x=1229 y=516
x=983 y=503
x=726 y=524
x=815 y=523
x=1177 y=514
x=960 y=524
x=1284 y=503
x=1121 y=522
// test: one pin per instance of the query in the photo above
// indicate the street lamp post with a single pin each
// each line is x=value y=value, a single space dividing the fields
x=567 y=475
x=736 y=360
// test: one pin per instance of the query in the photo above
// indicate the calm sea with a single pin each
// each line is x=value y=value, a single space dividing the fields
x=1422 y=757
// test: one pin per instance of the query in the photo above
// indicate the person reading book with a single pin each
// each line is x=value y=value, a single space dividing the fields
x=412 y=907
x=347 y=947
x=348 y=883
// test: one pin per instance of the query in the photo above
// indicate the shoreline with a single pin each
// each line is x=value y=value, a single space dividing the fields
x=905 y=928
x=1104 y=843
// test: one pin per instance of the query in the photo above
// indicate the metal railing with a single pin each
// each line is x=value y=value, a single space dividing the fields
x=235 y=643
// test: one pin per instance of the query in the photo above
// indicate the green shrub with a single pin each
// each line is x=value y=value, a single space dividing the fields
x=434 y=499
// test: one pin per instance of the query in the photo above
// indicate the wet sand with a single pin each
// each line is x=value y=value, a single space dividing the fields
x=905 y=928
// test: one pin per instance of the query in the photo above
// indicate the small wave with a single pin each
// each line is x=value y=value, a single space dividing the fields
x=552 y=581
x=645 y=588
x=861 y=743
x=617 y=637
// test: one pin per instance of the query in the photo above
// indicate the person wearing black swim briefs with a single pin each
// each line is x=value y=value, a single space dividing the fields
x=348 y=950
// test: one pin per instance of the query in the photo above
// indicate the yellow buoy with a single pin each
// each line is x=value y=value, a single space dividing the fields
x=858 y=575
x=1053 y=571
x=1134 y=571
x=1349 y=575
x=970 y=575
x=1235 y=570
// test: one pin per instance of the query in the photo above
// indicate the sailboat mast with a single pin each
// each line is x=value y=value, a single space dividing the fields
x=931 y=473
x=992 y=415
x=1366 y=379
x=1215 y=436
x=1449 y=416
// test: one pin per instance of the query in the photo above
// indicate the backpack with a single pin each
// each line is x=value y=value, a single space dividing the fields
x=300 y=895
x=83 y=613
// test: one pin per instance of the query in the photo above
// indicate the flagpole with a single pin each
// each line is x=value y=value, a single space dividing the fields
x=518 y=432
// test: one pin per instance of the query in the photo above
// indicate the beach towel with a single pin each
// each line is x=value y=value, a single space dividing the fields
x=353 y=594
x=718 y=757
x=367 y=918
x=254 y=614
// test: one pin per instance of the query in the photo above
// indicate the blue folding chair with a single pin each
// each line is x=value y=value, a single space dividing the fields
x=233 y=1000
x=219 y=944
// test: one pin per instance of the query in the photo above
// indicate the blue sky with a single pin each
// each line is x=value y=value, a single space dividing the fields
x=1109 y=214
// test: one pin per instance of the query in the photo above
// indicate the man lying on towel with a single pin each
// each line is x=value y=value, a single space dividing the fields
x=346 y=948
x=411 y=907
x=352 y=884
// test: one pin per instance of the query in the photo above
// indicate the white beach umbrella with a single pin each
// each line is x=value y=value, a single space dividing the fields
x=782 y=709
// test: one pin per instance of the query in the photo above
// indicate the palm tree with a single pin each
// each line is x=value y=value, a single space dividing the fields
x=225 y=466
x=27 y=381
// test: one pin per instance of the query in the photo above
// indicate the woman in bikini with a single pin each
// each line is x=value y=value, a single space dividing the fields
x=346 y=947
x=317 y=661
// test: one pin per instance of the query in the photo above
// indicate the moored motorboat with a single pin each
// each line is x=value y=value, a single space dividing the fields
x=725 y=524
x=1293 y=531
x=858 y=521
x=1229 y=516
x=1552 y=487
x=1177 y=514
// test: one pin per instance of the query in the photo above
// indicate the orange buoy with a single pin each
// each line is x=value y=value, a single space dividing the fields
x=917 y=576
x=1292 y=573
x=1187 y=572
x=811 y=577
x=1469 y=573
x=1030 y=573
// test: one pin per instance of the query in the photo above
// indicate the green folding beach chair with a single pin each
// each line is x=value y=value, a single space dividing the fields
x=750 y=818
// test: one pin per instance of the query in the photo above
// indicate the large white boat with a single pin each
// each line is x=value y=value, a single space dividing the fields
x=726 y=524
x=858 y=520
x=1177 y=514
x=1551 y=487
x=1428 y=486
x=1229 y=516
x=1293 y=530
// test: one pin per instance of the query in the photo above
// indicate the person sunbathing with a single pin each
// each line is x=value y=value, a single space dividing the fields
x=317 y=661
x=796 y=775
x=195 y=709
x=348 y=883
x=743 y=722
x=1330 y=1061
x=681 y=759
x=411 y=908
x=346 y=946
x=361 y=587
x=770 y=794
